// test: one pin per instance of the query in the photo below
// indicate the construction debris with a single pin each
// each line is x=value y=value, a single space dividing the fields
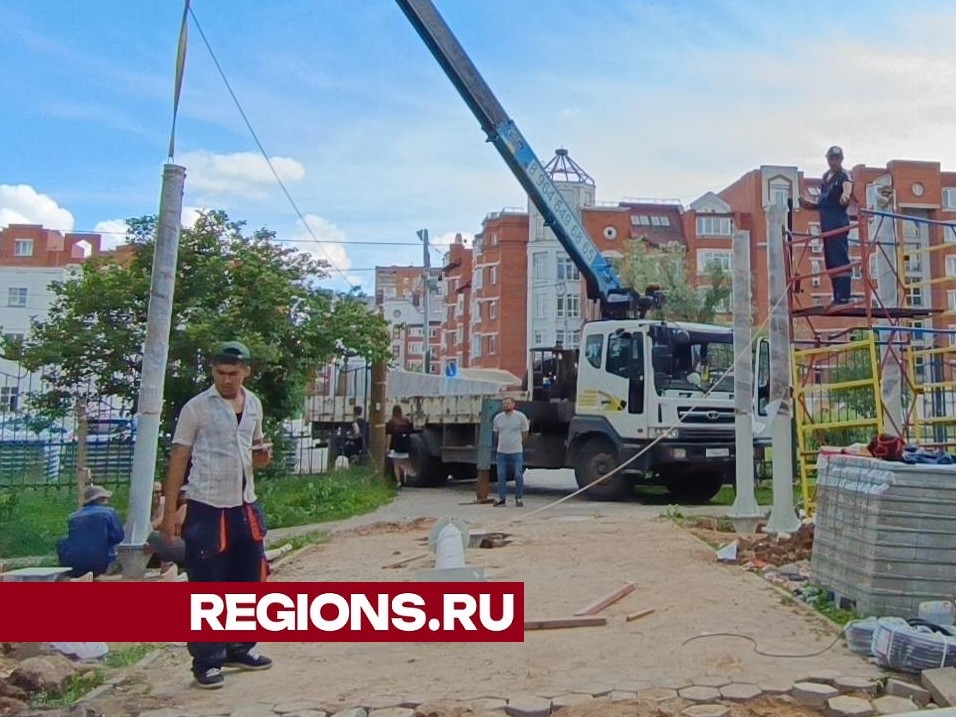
x=607 y=600
x=559 y=623
x=638 y=615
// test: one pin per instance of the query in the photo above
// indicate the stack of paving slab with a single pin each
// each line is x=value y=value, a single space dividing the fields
x=885 y=533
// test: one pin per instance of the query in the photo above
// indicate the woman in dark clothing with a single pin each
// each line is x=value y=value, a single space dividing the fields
x=399 y=430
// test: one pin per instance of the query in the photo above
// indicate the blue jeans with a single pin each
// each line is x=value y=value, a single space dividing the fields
x=514 y=461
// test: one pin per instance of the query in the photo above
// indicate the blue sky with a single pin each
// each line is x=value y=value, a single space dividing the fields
x=654 y=99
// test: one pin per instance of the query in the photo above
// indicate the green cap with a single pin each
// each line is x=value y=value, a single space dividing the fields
x=233 y=350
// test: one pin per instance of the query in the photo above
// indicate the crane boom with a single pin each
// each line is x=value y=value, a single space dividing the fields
x=602 y=281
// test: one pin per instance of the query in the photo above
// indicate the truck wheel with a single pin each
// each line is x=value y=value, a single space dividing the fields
x=596 y=458
x=694 y=486
x=426 y=470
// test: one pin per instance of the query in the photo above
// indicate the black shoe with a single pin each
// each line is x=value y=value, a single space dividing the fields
x=519 y=503
x=210 y=679
x=248 y=662
x=499 y=502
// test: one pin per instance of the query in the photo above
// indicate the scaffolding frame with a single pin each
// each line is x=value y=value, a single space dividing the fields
x=884 y=321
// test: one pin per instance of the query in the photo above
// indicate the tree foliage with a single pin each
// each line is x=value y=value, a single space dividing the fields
x=688 y=297
x=229 y=285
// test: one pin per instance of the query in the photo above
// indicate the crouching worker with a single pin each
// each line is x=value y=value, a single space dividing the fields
x=93 y=532
x=220 y=430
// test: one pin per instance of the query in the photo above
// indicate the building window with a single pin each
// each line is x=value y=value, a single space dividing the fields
x=574 y=339
x=714 y=226
x=567 y=271
x=434 y=332
x=479 y=275
x=416 y=347
x=539 y=338
x=539 y=265
x=660 y=221
x=541 y=305
x=779 y=193
x=397 y=350
x=415 y=331
x=23 y=247
x=493 y=271
x=569 y=306
x=951 y=265
x=857 y=272
x=9 y=398
x=476 y=347
x=706 y=257
x=914 y=296
x=951 y=300
x=492 y=345
x=458 y=336
x=17 y=296
x=492 y=310
x=949 y=198
x=816 y=266
x=460 y=305
x=952 y=335
x=641 y=220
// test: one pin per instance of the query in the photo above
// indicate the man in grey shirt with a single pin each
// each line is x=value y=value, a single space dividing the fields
x=511 y=427
x=220 y=430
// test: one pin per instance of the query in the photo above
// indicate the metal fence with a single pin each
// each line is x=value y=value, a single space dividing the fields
x=43 y=451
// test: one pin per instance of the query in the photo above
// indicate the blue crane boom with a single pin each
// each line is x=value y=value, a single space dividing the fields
x=602 y=281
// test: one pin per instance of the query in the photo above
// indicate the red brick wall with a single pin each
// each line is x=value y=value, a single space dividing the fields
x=50 y=248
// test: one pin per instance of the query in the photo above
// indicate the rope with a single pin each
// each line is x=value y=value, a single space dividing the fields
x=762 y=653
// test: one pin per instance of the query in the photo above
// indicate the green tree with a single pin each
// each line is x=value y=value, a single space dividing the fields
x=688 y=297
x=228 y=286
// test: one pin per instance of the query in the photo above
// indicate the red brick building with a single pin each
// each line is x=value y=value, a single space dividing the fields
x=456 y=321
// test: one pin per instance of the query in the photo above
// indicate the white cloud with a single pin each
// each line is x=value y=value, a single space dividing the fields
x=112 y=231
x=22 y=204
x=324 y=240
x=244 y=174
x=445 y=240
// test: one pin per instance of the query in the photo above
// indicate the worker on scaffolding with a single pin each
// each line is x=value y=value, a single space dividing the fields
x=832 y=204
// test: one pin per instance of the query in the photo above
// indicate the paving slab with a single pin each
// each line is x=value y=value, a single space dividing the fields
x=714 y=681
x=780 y=687
x=352 y=712
x=700 y=694
x=380 y=702
x=740 y=692
x=823 y=676
x=489 y=704
x=528 y=706
x=941 y=683
x=900 y=688
x=298 y=706
x=253 y=710
x=892 y=705
x=813 y=694
x=848 y=683
x=622 y=696
x=657 y=694
x=570 y=699
x=392 y=712
x=673 y=683
x=846 y=706
x=706 y=711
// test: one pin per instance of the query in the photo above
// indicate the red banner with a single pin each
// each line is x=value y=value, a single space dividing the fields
x=262 y=612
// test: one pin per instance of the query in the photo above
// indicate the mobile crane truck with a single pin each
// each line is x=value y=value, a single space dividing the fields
x=633 y=380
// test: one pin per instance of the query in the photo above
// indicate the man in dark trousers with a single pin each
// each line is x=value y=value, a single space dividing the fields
x=93 y=532
x=220 y=430
x=832 y=204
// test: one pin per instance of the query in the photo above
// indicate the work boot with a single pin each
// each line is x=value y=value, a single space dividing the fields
x=499 y=501
x=519 y=503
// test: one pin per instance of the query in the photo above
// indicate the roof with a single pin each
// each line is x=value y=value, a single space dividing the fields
x=659 y=224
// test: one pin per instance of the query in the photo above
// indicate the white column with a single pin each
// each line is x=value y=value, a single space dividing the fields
x=745 y=511
x=783 y=517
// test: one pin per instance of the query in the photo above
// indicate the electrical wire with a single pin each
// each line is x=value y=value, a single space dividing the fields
x=262 y=150
x=763 y=653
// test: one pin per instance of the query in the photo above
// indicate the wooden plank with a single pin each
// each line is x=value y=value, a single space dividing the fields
x=598 y=605
x=638 y=615
x=402 y=563
x=559 y=623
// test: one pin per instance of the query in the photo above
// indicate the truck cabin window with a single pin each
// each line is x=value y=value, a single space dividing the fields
x=701 y=365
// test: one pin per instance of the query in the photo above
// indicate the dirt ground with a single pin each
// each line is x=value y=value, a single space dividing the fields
x=566 y=560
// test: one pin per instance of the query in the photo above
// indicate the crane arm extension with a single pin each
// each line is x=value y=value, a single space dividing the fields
x=600 y=277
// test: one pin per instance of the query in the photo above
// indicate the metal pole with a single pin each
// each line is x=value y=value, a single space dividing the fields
x=376 y=416
x=155 y=355
x=426 y=303
x=783 y=518
x=745 y=512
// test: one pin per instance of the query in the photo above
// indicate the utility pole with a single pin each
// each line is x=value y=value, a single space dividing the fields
x=426 y=304
x=155 y=355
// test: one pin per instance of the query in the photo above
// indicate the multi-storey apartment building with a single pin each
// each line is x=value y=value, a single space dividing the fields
x=31 y=258
x=456 y=321
x=400 y=293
